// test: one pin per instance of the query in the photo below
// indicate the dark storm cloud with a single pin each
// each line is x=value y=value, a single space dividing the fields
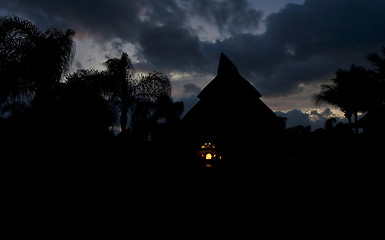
x=161 y=28
x=231 y=17
x=174 y=45
x=170 y=47
x=101 y=19
x=301 y=44
x=250 y=53
x=292 y=76
x=327 y=27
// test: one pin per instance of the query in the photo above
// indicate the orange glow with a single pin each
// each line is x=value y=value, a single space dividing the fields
x=208 y=145
x=209 y=156
x=209 y=165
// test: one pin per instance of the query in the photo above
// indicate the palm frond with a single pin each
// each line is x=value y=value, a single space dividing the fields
x=154 y=85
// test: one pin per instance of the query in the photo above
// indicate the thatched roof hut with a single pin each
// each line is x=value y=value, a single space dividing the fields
x=230 y=110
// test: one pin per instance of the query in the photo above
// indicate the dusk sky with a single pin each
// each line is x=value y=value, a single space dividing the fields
x=285 y=48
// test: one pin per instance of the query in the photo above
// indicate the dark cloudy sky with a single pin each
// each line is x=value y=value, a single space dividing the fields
x=286 y=48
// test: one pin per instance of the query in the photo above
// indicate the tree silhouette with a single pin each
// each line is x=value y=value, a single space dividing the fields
x=152 y=86
x=148 y=115
x=129 y=93
x=351 y=91
x=81 y=102
x=17 y=38
x=120 y=84
x=149 y=92
x=378 y=63
x=166 y=110
x=329 y=124
x=32 y=62
x=126 y=89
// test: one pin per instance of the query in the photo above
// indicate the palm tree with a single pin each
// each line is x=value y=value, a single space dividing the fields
x=17 y=38
x=51 y=59
x=80 y=104
x=378 y=63
x=122 y=85
x=32 y=62
x=351 y=91
x=152 y=86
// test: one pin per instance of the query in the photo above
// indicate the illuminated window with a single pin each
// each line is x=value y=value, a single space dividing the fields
x=209 y=156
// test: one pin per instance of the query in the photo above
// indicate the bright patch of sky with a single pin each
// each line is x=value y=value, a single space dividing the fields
x=271 y=6
x=91 y=55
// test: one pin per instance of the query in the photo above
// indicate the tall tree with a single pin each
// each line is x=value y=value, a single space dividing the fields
x=120 y=84
x=51 y=59
x=80 y=106
x=128 y=90
x=32 y=62
x=17 y=38
x=351 y=91
x=378 y=63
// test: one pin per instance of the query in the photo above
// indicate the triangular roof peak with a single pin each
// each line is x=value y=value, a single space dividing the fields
x=228 y=82
x=226 y=66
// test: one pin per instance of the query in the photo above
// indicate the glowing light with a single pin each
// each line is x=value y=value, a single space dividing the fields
x=209 y=153
x=208 y=145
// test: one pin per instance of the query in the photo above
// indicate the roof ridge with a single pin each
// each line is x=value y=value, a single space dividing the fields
x=228 y=81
